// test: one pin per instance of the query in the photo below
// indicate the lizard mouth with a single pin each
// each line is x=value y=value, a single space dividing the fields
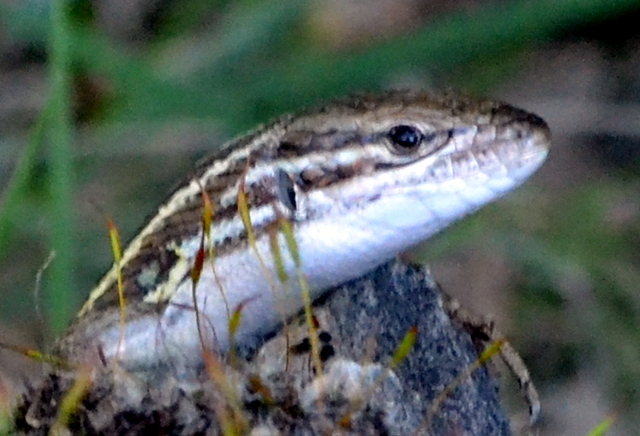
x=520 y=149
x=521 y=141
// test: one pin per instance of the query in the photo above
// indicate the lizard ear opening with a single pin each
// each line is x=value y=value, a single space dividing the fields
x=286 y=191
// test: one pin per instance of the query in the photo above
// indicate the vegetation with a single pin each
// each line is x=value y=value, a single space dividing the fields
x=213 y=69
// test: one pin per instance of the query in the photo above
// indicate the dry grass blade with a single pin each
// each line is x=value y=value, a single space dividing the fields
x=196 y=272
x=37 y=286
x=243 y=209
x=230 y=413
x=490 y=352
x=602 y=428
x=38 y=356
x=116 y=249
x=292 y=246
x=71 y=401
x=277 y=254
x=207 y=221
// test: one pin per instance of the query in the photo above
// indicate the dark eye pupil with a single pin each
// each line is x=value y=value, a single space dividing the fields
x=405 y=136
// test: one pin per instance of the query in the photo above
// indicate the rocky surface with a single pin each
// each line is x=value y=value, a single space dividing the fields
x=360 y=392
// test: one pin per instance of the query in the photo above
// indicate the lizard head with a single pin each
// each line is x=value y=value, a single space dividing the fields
x=411 y=161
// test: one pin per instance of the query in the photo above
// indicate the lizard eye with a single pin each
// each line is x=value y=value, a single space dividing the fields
x=405 y=139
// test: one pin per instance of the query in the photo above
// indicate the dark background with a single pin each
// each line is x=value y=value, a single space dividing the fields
x=156 y=84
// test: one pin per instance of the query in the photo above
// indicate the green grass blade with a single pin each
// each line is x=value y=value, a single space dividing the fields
x=18 y=185
x=61 y=303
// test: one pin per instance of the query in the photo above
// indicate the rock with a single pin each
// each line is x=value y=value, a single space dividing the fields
x=361 y=391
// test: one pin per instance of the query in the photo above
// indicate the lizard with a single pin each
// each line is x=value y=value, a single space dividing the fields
x=360 y=180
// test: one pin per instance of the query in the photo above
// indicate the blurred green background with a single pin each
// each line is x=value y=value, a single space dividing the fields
x=105 y=105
